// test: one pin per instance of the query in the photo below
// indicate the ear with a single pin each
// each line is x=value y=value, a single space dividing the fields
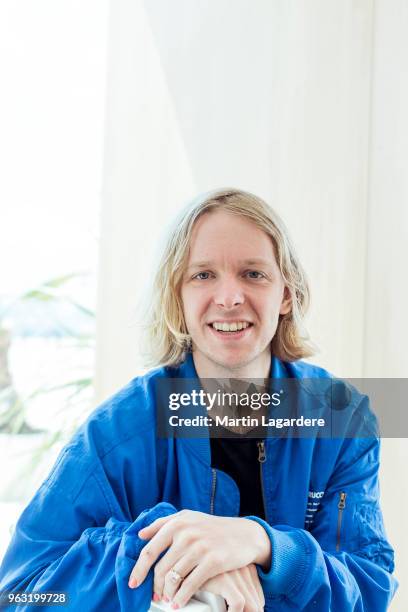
x=286 y=305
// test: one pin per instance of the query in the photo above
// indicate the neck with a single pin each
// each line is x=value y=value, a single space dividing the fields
x=258 y=368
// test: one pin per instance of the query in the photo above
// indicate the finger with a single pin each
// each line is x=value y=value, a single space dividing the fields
x=257 y=584
x=192 y=583
x=176 y=575
x=175 y=558
x=234 y=599
x=245 y=587
x=235 y=603
x=149 y=555
x=233 y=589
x=247 y=578
x=150 y=530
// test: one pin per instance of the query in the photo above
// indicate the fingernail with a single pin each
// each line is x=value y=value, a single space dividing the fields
x=165 y=598
x=156 y=597
x=132 y=583
x=175 y=606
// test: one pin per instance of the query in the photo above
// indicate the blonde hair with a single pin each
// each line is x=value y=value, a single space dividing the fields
x=167 y=332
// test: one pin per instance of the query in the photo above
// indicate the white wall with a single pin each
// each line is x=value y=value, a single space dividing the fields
x=213 y=94
x=301 y=103
x=386 y=295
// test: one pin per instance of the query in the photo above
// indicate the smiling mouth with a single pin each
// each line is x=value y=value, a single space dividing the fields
x=235 y=327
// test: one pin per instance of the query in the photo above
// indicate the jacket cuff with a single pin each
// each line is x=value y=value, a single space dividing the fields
x=131 y=543
x=289 y=560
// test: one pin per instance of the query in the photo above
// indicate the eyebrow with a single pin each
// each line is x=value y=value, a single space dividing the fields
x=254 y=261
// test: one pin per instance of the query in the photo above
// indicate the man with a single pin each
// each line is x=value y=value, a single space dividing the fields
x=289 y=523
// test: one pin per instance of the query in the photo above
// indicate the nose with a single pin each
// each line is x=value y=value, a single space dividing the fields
x=228 y=294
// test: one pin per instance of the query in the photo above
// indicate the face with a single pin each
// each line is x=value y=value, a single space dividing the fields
x=232 y=294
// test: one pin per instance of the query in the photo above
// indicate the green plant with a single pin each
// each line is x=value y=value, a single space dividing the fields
x=13 y=407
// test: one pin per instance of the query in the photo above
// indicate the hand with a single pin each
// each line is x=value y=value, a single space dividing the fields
x=200 y=546
x=240 y=588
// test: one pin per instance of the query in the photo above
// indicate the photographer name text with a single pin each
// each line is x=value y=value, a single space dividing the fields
x=246 y=421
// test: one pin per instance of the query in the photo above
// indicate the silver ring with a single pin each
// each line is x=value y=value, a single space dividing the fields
x=175 y=577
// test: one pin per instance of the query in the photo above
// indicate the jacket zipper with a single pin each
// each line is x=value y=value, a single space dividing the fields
x=262 y=459
x=341 y=505
x=213 y=485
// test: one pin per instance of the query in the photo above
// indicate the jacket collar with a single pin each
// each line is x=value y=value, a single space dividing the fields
x=200 y=447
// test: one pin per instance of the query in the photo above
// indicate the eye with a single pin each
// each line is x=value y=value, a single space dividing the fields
x=202 y=276
x=255 y=274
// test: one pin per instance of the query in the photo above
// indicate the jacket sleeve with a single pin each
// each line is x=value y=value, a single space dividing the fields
x=59 y=546
x=344 y=562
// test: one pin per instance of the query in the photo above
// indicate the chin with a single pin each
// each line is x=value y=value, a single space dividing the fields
x=231 y=362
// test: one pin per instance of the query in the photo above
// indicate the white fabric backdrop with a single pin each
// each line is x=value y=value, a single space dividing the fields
x=301 y=103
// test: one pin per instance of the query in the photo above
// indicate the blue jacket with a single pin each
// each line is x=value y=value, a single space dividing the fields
x=79 y=532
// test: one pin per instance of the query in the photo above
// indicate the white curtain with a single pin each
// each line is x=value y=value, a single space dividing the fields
x=302 y=103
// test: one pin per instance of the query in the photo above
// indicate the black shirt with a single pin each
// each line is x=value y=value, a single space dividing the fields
x=237 y=456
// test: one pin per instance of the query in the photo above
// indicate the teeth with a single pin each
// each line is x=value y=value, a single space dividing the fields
x=230 y=327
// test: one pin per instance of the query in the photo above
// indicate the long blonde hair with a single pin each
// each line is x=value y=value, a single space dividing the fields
x=167 y=332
